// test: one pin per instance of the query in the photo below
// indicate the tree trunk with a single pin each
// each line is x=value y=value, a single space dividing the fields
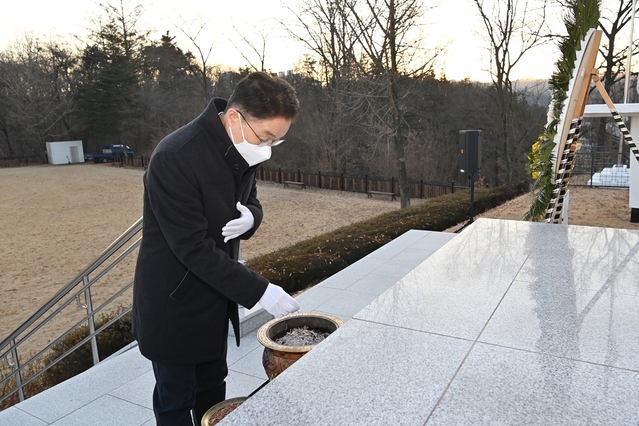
x=506 y=146
x=400 y=155
x=600 y=142
x=8 y=140
x=496 y=169
x=400 y=142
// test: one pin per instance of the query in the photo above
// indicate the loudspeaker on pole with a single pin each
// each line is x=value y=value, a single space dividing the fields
x=470 y=151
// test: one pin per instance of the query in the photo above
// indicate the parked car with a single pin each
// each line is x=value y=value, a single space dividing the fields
x=110 y=153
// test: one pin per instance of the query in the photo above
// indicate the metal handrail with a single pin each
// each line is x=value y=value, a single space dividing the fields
x=9 y=345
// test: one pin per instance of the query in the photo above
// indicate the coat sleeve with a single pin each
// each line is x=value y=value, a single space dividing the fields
x=175 y=199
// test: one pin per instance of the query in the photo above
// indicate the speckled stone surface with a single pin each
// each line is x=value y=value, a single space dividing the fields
x=509 y=323
x=359 y=381
x=122 y=413
x=15 y=416
x=456 y=290
x=503 y=386
x=53 y=404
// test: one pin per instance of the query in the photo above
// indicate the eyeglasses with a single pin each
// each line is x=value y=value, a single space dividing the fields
x=262 y=143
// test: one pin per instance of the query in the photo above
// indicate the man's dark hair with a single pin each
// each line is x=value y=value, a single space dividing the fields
x=263 y=96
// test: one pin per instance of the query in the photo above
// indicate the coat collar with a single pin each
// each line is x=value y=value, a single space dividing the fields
x=211 y=120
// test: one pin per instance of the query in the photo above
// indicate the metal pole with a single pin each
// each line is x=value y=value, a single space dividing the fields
x=592 y=166
x=89 y=308
x=472 y=196
x=627 y=79
x=16 y=366
x=629 y=56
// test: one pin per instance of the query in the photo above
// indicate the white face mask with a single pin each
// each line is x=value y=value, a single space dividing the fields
x=253 y=154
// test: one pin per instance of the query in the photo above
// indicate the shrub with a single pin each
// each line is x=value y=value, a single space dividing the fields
x=300 y=265
x=34 y=387
x=110 y=340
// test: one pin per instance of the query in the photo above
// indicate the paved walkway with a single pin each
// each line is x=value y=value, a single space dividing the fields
x=118 y=390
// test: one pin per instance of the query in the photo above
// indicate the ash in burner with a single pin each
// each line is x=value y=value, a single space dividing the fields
x=302 y=336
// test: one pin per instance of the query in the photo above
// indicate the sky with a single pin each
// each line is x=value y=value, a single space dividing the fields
x=453 y=23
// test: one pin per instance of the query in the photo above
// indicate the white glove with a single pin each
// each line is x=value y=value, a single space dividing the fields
x=236 y=227
x=277 y=302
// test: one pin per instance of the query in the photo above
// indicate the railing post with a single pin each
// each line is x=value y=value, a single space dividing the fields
x=452 y=186
x=421 y=188
x=16 y=367
x=319 y=173
x=592 y=166
x=89 y=307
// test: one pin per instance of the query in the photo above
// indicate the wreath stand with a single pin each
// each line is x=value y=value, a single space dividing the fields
x=567 y=138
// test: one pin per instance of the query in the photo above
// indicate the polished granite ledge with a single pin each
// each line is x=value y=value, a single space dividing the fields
x=508 y=323
x=118 y=390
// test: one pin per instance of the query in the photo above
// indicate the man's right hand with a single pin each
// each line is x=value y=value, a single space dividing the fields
x=277 y=302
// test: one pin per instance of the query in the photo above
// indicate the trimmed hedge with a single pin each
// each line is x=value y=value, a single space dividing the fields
x=301 y=265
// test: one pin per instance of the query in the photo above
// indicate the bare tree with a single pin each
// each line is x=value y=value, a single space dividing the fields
x=193 y=30
x=321 y=26
x=37 y=91
x=390 y=47
x=374 y=46
x=258 y=48
x=613 y=22
x=513 y=28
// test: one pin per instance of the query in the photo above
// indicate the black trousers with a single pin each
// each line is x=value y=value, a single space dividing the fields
x=183 y=393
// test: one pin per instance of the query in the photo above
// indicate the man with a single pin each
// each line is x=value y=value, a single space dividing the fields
x=200 y=198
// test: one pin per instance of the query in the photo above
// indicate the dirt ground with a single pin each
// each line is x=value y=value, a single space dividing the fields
x=601 y=207
x=56 y=219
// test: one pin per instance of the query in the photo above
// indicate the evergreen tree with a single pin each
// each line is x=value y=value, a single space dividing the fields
x=110 y=65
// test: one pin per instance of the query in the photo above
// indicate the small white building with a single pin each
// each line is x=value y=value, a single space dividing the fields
x=66 y=152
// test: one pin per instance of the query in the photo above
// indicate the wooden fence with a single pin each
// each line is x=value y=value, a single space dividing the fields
x=139 y=161
x=335 y=181
x=20 y=161
x=363 y=184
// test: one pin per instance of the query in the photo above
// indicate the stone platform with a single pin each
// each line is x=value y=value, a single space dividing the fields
x=510 y=323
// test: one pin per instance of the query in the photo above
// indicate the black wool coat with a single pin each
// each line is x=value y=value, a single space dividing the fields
x=188 y=282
